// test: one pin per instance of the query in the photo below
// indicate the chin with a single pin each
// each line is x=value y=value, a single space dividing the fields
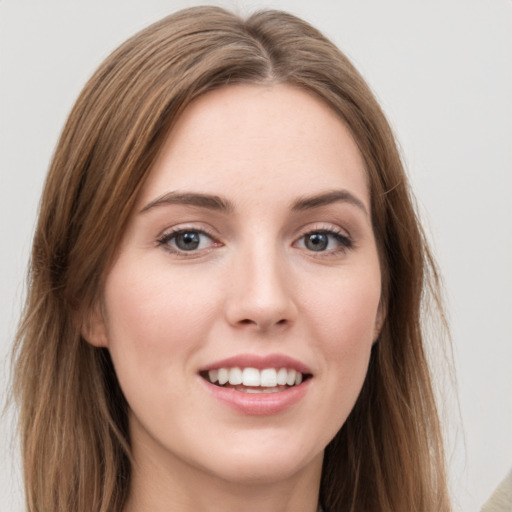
x=264 y=468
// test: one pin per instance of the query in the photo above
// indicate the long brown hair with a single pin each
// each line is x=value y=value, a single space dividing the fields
x=388 y=456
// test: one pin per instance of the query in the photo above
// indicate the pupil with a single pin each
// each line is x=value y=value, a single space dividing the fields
x=187 y=241
x=317 y=242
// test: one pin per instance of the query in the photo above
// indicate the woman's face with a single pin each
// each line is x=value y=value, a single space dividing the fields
x=250 y=257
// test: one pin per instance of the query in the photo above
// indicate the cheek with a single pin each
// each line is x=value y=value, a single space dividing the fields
x=153 y=315
x=347 y=312
x=345 y=329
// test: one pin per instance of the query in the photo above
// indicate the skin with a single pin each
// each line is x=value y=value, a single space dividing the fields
x=253 y=286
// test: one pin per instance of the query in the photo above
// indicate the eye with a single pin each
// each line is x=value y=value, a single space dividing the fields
x=324 y=241
x=186 y=240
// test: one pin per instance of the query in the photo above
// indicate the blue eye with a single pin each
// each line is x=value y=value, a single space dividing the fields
x=186 y=240
x=324 y=240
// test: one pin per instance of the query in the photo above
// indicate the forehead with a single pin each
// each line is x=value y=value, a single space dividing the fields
x=262 y=140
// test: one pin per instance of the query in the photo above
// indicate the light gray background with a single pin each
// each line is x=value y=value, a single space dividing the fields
x=442 y=70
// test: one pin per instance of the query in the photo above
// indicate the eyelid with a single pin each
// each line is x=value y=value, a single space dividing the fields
x=200 y=227
x=327 y=227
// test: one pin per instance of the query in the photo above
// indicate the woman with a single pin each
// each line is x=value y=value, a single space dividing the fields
x=226 y=286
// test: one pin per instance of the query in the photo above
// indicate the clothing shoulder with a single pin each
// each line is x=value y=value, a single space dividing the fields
x=501 y=499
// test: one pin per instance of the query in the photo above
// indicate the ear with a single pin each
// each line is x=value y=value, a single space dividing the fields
x=94 y=329
x=379 y=320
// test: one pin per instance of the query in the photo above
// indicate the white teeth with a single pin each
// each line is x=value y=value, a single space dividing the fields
x=256 y=391
x=223 y=376
x=282 y=374
x=253 y=378
x=269 y=378
x=290 y=379
x=235 y=376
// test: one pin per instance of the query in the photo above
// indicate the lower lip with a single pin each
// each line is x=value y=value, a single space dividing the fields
x=258 y=404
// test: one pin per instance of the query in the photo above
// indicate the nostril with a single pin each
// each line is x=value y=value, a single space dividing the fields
x=263 y=325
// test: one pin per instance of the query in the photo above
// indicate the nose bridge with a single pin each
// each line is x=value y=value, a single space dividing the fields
x=261 y=292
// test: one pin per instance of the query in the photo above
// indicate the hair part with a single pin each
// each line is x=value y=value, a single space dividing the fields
x=388 y=456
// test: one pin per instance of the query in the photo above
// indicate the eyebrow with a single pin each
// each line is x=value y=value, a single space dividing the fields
x=327 y=198
x=208 y=201
x=217 y=203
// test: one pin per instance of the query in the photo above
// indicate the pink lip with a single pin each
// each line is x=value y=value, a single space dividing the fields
x=258 y=404
x=261 y=404
x=259 y=362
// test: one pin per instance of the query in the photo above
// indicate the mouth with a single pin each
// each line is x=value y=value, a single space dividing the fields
x=254 y=380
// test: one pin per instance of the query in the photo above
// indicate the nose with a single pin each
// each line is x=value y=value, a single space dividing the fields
x=260 y=295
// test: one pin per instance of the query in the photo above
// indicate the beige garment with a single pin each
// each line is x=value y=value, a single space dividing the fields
x=501 y=499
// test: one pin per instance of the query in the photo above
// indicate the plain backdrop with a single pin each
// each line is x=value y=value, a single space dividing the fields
x=442 y=71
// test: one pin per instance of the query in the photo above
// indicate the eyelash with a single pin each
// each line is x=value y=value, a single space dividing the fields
x=170 y=235
x=345 y=242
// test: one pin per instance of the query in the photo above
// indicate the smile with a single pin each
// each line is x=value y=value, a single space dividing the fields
x=253 y=380
x=257 y=385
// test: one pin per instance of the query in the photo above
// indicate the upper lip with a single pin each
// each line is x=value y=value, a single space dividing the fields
x=259 y=362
